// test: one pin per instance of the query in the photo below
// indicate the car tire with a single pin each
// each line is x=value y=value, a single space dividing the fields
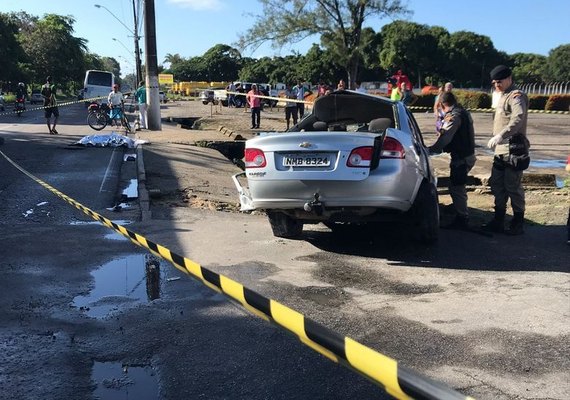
x=205 y=103
x=284 y=226
x=426 y=213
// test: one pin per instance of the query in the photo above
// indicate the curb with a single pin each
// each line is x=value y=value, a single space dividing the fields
x=144 y=201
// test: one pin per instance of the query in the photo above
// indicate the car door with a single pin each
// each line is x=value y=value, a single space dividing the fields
x=419 y=145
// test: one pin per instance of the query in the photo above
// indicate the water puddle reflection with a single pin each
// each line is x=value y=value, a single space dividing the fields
x=117 y=382
x=132 y=190
x=547 y=163
x=122 y=283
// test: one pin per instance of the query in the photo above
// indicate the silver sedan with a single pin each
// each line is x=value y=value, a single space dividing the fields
x=356 y=158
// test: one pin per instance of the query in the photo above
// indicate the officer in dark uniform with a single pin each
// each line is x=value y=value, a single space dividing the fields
x=509 y=124
x=457 y=137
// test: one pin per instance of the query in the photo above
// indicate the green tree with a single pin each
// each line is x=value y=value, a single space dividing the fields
x=53 y=50
x=173 y=58
x=528 y=68
x=112 y=65
x=339 y=22
x=558 y=65
x=222 y=63
x=11 y=53
x=410 y=47
x=471 y=58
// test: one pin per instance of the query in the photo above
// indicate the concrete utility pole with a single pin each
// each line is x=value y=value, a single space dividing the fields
x=151 y=67
x=138 y=71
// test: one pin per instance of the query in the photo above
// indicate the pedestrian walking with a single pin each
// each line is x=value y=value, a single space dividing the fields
x=457 y=137
x=50 y=104
x=511 y=156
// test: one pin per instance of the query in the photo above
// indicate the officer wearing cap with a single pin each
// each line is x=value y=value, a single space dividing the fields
x=457 y=137
x=510 y=120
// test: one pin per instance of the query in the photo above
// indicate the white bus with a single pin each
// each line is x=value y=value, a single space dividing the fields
x=98 y=84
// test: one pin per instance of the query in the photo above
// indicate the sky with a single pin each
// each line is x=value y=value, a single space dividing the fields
x=191 y=27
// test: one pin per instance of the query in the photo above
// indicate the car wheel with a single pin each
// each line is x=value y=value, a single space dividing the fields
x=284 y=226
x=426 y=213
x=205 y=103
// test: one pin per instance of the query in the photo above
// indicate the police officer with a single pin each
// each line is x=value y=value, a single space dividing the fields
x=457 y=137
x=505 y=181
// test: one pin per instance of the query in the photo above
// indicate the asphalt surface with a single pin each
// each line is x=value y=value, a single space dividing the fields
x=487 y=316
x=82 y=317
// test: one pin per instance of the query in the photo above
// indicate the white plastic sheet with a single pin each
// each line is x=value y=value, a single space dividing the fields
x=112 y=140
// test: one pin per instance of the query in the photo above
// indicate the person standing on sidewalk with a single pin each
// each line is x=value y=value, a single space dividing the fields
x=140 y=95
x=509 y=125
x=457 y=136
x=254 y=102
x=50 y=104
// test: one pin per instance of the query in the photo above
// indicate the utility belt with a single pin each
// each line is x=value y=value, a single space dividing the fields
x=518 y=157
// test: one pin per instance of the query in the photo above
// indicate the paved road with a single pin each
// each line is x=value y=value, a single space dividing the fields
x=80 y=316
x=489 y=316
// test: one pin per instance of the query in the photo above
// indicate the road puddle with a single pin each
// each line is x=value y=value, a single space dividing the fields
x=116 y=221
x=550 y=164
x=116 y=382
x=121 y=284
x=547 y=163
x=132 y=190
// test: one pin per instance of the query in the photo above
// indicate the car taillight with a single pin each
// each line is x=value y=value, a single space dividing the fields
x=254 y=158
x=391 y=148
x=360 y=157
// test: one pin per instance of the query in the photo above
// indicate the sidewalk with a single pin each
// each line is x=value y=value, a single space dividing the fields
x=181 y=167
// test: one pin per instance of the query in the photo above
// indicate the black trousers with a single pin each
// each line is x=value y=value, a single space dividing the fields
x=255 y=116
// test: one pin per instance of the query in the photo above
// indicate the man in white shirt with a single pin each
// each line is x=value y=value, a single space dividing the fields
x=115 y=100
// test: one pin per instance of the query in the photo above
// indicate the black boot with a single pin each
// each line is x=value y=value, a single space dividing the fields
x=460 y=223
x=497 y=224
x=516 y=226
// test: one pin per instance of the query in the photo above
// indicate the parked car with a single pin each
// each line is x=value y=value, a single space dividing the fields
x=356 y=158
x=162 y=97
x=2 y=108
x=36 y=97
x=208 y=96
x=244 y=87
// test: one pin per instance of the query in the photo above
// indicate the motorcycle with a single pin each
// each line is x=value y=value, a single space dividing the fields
x=20 y=106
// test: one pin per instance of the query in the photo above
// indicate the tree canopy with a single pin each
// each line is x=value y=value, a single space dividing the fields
x=339 y=22
x=33 y=47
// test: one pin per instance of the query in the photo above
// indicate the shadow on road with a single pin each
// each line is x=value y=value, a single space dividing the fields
x=541 y=248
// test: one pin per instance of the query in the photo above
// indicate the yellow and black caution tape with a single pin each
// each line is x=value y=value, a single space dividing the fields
x=66 y=103
x=491 y=110
x=396 y=380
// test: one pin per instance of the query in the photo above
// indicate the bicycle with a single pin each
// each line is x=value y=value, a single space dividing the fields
x=100 y=116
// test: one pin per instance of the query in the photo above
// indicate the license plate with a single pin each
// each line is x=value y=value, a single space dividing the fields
x=306 y=160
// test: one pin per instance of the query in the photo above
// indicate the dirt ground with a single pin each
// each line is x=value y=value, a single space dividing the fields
x=546 y=181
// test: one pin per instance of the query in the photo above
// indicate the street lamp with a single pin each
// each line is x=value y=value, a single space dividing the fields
x=135 y=35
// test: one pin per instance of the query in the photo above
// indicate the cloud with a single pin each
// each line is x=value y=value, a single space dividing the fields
x=198 y=4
